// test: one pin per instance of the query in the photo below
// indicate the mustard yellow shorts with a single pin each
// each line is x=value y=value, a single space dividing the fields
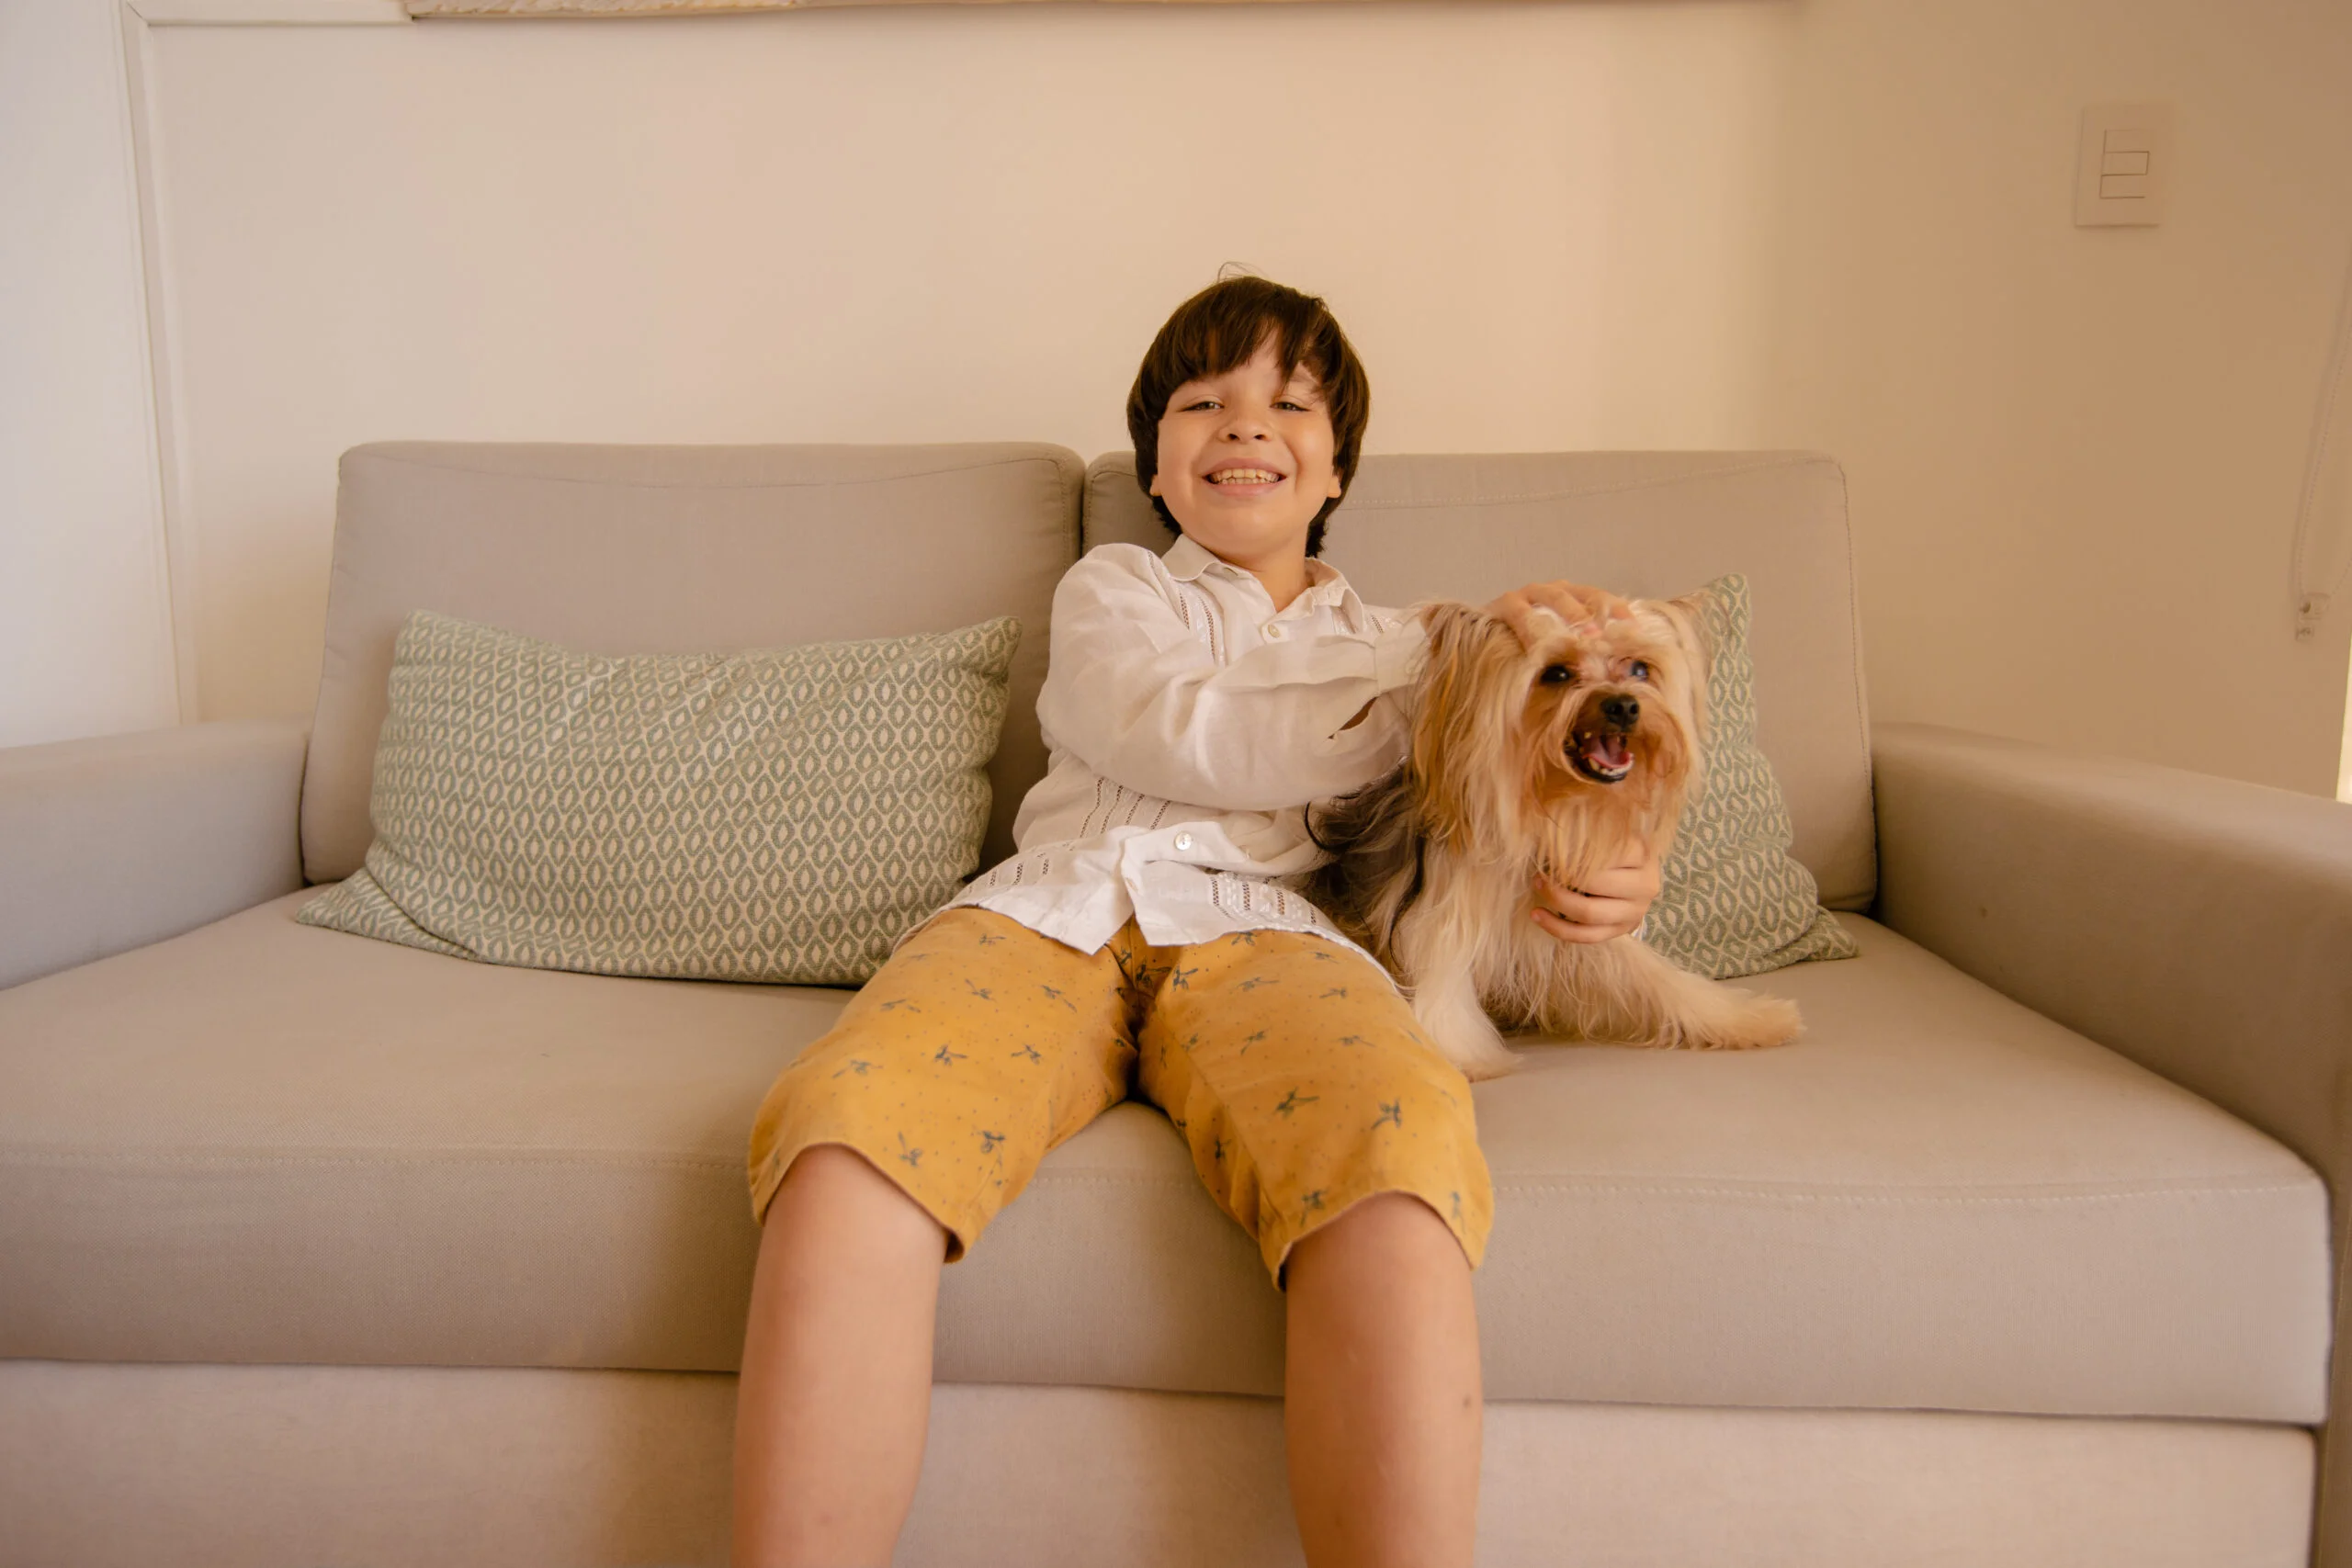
x=1293 y=1067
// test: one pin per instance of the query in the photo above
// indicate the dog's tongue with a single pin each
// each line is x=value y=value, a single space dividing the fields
x=1608 y=753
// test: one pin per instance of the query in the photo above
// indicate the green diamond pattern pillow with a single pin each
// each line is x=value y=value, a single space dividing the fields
x=778 y=814
x=1734 y=902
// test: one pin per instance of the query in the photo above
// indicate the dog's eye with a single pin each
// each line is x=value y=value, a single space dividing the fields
x=1640 y=672
x=1557 y=674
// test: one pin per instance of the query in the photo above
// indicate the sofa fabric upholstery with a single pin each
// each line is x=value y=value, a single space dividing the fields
x=681 y=550
x=265 y=1142
x=111 y=844
x=290 y=1467
x=1647 y=523
x=2200 y=926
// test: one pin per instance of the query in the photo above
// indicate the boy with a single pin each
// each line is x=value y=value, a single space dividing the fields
x=1142 y=942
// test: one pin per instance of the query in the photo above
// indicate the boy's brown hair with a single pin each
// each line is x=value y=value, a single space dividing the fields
x=1221 y=327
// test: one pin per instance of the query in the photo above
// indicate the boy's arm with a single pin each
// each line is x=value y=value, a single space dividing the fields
x=1136 y=694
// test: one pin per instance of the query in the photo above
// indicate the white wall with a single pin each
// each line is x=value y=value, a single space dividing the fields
x=85 y=641
x=1835 y=224
x=931 y=224
x=2075 y=455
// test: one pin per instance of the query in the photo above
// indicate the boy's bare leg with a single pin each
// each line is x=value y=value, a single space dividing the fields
x=1382 y=1405
x=835 y=1393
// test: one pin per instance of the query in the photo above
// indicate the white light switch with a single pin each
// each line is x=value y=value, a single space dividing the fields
x=2123 y=166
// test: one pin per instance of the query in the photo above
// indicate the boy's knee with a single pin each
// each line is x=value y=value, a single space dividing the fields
x=838 y=1173
x=836 y=1169
x=1388 y=1234
x=1391 y=1219
x=852 y=1192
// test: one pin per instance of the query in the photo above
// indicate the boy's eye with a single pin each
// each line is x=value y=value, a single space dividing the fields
x=1638 y=671
x=1557 y=674
x=1293 y=406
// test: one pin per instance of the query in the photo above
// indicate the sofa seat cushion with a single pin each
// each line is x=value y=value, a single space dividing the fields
x=264 y=1142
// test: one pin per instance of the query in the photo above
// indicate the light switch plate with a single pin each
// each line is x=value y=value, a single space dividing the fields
x=2123 y=165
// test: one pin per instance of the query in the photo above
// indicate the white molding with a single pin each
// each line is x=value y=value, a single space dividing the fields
x=167 y=393
x=170 y=467
x=267 y=13
x=162 y=602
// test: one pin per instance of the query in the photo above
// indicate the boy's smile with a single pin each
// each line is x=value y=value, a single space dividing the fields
x=1246 y=463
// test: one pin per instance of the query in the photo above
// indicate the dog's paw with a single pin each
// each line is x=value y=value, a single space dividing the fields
x=1755 y=1023
x=1458 y=1024
x=1479 y=1060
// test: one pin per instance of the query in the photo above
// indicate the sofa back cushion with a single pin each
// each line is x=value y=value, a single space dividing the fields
x=1647 y=523
x=621 y=550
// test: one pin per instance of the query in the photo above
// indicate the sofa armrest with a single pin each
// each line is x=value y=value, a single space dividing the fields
x=2199 y=926
x=112 y=843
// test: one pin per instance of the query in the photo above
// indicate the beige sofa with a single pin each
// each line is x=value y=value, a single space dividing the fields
x=318 y=1251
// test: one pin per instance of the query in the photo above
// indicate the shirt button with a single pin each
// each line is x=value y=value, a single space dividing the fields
x=1275 y=632
x=1184 y=843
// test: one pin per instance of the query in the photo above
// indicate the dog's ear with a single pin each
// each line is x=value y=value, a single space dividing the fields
x=1688 y=617
x=1453 y=626
x=1461 y=640
x=1460 y=720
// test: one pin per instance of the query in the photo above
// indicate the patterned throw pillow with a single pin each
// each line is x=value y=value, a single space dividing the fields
x=1734 y=902
x=779 y=815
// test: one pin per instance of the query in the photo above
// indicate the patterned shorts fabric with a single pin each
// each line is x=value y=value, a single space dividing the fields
x=1290 y=1064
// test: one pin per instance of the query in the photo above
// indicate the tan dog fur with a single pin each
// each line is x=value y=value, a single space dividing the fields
x=1434 y=866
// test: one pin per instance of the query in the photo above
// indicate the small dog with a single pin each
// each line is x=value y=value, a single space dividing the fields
x=1554 y=758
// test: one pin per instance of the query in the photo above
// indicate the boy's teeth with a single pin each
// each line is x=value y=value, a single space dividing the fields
x=1243 y=477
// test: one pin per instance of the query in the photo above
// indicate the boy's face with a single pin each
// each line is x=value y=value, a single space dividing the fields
x=1245 y=460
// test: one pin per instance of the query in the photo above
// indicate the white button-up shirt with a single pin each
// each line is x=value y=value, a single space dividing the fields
x=1188 y=723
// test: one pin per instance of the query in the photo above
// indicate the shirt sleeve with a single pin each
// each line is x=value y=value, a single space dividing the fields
x=1137 y=695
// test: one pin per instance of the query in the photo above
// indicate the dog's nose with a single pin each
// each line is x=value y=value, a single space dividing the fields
x=1621 y=712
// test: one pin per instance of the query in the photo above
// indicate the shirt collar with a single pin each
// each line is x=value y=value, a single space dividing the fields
x=1187 y=559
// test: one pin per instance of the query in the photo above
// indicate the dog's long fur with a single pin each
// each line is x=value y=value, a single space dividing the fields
x=1509 y=774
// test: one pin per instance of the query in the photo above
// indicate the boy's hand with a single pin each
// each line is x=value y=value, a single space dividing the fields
x=1610 y=905
x=1573 y=603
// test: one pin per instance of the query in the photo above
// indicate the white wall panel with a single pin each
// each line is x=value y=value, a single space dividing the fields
x=85 y=633
x=2075 y=455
